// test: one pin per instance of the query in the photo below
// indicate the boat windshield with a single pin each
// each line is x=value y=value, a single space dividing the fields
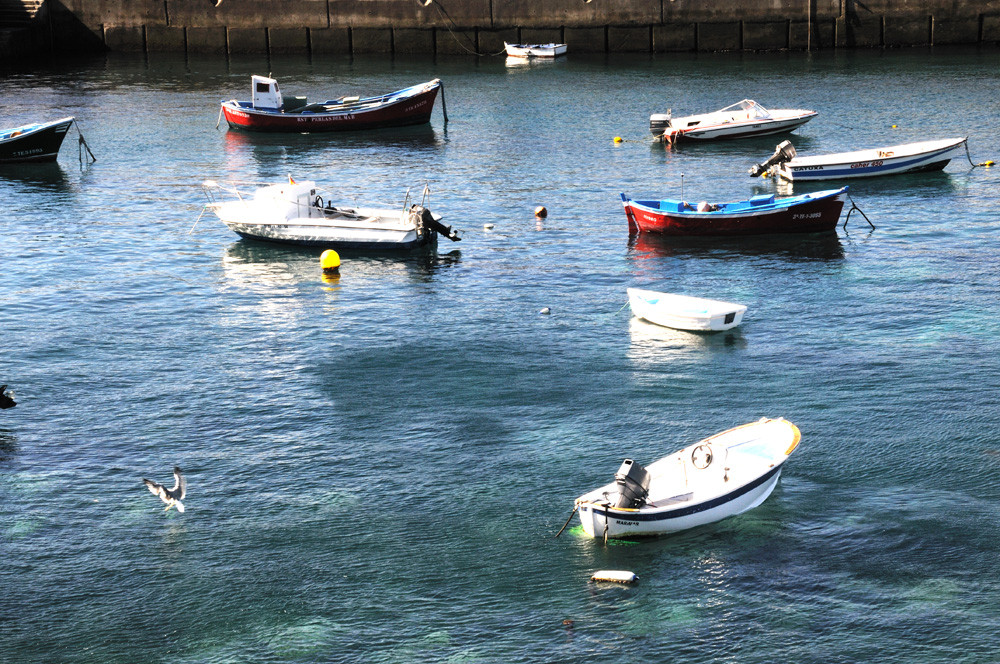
x=754 y=109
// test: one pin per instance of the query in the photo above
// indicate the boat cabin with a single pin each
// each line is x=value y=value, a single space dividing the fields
x=265 y=93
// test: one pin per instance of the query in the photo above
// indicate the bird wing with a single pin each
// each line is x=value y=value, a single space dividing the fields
x=156 y=489
x=180 y=485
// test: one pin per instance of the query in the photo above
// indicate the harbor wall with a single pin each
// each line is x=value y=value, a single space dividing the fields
x=481 y=26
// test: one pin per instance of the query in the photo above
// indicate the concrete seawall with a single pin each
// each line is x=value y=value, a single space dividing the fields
x=481 y=26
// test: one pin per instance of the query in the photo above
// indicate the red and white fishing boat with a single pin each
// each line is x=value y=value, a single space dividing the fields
x=741 y=120
x=269 y=110
x=806 y=213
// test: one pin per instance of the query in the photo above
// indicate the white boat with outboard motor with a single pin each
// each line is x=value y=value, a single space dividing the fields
x=743 y=119
x=303 y=214
x=684 y=312
x=919 y=157
x=718 y=477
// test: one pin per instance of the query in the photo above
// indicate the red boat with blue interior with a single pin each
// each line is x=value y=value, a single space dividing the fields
x=269 y=110
x=807 y=213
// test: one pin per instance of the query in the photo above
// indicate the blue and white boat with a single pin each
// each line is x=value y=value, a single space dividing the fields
x=718 y=477
x=893 y=160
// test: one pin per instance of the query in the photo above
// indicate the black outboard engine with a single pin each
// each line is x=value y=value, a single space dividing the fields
x=6 y=401
x=784 y=152
x=633 y=484
x=430 y=223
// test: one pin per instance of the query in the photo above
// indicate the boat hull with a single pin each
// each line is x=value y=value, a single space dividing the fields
x=403 y=112
x=535 y=50
x=647 y=522
x=343 y=239
x=37 y=143
x=742 y=129
x=679 y=312
x=893 y=160
x=812 y=215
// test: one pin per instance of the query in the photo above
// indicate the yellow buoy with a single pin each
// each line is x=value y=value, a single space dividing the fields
x=329 y=260
x=618 y=139
x=894 y=126
x=541 y=212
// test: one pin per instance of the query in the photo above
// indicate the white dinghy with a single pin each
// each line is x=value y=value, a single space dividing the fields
x=683 y=312
x=721 y=476
x=297 y=213
x=551 y=50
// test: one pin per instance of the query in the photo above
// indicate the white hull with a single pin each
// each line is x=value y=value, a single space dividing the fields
x=721 y=476
x=741 y=120
x=534 y=50
x=295 y=213
x=622 y=524
x=682 y=312
x=892 y=160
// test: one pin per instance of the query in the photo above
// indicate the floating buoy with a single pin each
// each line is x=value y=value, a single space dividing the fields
x=618 y=139
x=329 y=260
x=894 y=127
x=545 y=310
x=541 y=212
x=614 y=576
x=488 y=227
x=987 y=164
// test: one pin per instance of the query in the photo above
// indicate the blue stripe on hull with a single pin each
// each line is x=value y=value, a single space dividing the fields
x=693 y=509
x=920 y=164
x=427 y=241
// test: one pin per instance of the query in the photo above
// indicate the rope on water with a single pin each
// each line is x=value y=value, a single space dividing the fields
x=854 y=206
x=81 y=145
x=968 y=156
x=219 y=121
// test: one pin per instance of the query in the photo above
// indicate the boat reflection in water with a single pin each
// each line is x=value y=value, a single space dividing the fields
x=266 y=266
x=653 y=344
x=36 y=177
x=809 y=246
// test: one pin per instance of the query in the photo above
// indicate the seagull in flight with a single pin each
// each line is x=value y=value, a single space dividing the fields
x=172 y=497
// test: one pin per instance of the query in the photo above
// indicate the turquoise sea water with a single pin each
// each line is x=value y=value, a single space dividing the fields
x=377 y=466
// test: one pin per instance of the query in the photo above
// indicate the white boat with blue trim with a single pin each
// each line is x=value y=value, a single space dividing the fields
x=684 y=312
x=718 y=477
x=917 y=157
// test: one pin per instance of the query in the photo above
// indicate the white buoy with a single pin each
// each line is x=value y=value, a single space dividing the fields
x=545 y=310
x=614 y=576
x=488 y=227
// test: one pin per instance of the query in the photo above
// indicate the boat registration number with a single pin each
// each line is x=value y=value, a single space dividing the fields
x=866 y=164
x=811 y=215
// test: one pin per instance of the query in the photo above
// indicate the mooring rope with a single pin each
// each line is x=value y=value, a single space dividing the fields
x=968 y=156
x=444 y=14
x=854 y=206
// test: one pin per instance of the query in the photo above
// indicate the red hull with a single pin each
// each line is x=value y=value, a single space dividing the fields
x=808 y=217
x=411 y=111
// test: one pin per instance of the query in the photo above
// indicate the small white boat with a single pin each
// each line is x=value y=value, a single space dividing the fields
x=741 y=120
x=892 y=160
x=721 y=476
x=683 y=312
x=297 y=213
x=534 y=50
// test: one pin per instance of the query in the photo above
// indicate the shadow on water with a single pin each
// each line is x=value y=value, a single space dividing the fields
x=245 y=258
x=265 y=147
x=8 y=446
x=47 y=177
x=805 y=246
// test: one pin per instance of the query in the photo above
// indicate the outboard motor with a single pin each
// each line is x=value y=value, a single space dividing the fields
x=659 y=123
x=784 y=152
x=428 y=221
x=633 y=484
x=6 y=401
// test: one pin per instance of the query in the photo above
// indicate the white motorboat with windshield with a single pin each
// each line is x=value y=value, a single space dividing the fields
x=741 y=120
x=718 y=477
x=301 y=213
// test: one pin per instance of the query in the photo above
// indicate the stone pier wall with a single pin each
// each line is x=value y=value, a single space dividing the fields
x=481 y=26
